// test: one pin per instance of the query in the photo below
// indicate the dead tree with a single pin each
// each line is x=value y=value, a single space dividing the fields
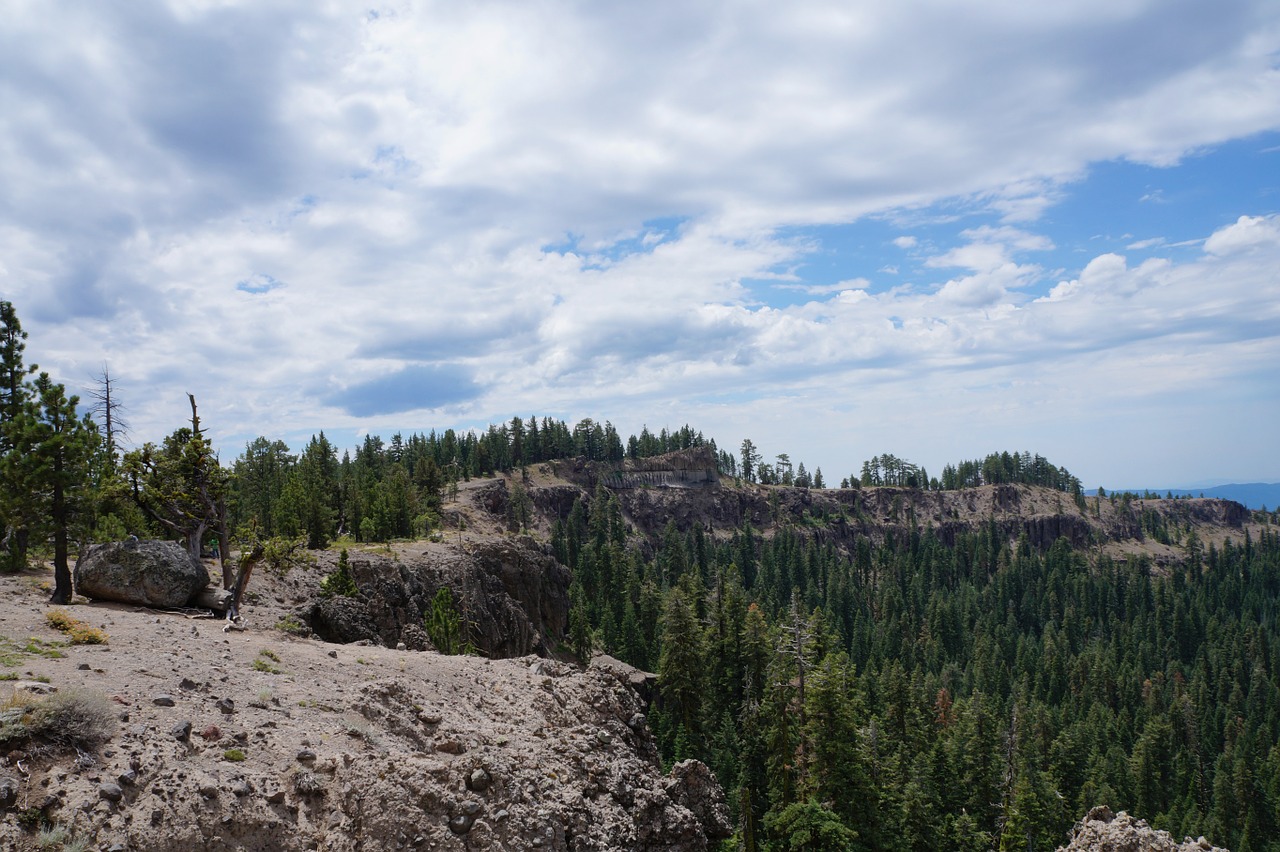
x=107 y=406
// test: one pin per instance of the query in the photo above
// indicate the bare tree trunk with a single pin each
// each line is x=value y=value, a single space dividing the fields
x=61 y=572
x=224 y=545
x=195 y=538
x=247 y=563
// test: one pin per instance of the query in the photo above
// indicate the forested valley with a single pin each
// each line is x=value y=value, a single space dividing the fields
x=891 y=690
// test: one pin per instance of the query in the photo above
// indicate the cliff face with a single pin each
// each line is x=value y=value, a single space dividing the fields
x=513 y=595
x=685 y=490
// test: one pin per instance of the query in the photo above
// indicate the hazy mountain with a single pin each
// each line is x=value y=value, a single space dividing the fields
x=1254 y=495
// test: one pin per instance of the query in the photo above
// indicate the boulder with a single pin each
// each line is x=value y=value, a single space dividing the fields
x=150 y=573
x=693 y=786
x=644 y=683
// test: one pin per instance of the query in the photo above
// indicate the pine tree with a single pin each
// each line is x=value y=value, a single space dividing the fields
x=680 y=667
x=15 y=392
x=52 y=452
x=181 y=486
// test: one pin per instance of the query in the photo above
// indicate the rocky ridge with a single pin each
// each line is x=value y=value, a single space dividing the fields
x=1104 y=831
x=842 y=517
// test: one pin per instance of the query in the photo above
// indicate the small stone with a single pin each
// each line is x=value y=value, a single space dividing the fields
x=306 y=755
x=227 y=706
x=187 y=683
x=478 y=781
x=333 y=654
x=276 y=798
x=461 y=824
x=241 y=787
x=208 y=789
x=400 y=646
x=84 y=667
x=163 y=700
x=181 y=731
x=471 y=808
x=128 y=777
x=110 y=792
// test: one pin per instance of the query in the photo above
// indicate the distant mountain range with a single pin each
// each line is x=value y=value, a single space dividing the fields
x=1253 y=495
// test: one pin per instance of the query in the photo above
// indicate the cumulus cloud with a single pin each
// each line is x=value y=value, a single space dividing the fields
x=1247 y=234
x=328 y=217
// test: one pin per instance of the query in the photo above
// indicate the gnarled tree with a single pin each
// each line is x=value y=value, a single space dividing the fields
x=182 y=487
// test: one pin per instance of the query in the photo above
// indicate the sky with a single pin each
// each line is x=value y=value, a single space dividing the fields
x=838 y=229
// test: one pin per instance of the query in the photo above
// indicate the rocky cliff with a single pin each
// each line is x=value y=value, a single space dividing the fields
x=697 y=497
x=257 y=740
x=510 y=592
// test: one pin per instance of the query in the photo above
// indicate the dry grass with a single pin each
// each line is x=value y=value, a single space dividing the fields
x=77 y=631
x=72 y=717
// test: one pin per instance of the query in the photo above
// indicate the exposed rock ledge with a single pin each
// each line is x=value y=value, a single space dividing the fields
x=261 y=742
x=1104 y=831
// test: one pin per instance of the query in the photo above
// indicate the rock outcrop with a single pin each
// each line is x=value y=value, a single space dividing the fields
x=1104 y=831
x=512 y=596
x=266 y=742
x=150 y=573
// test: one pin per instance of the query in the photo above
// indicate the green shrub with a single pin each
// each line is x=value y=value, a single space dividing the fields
x=339 y=583
x=445 y=626
x=290 y=624
x=234 y=755
x=261 y=665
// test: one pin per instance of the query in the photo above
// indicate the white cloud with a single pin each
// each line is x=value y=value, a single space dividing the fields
x=383 y=187
x=990 y=249
x=1247 y=233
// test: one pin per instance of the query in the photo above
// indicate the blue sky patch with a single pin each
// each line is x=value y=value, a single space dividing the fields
x=258 y=283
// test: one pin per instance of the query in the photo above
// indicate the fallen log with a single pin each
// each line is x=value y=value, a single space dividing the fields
x=214 y=598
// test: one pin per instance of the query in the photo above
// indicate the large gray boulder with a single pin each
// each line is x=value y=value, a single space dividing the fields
x=151 y=573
